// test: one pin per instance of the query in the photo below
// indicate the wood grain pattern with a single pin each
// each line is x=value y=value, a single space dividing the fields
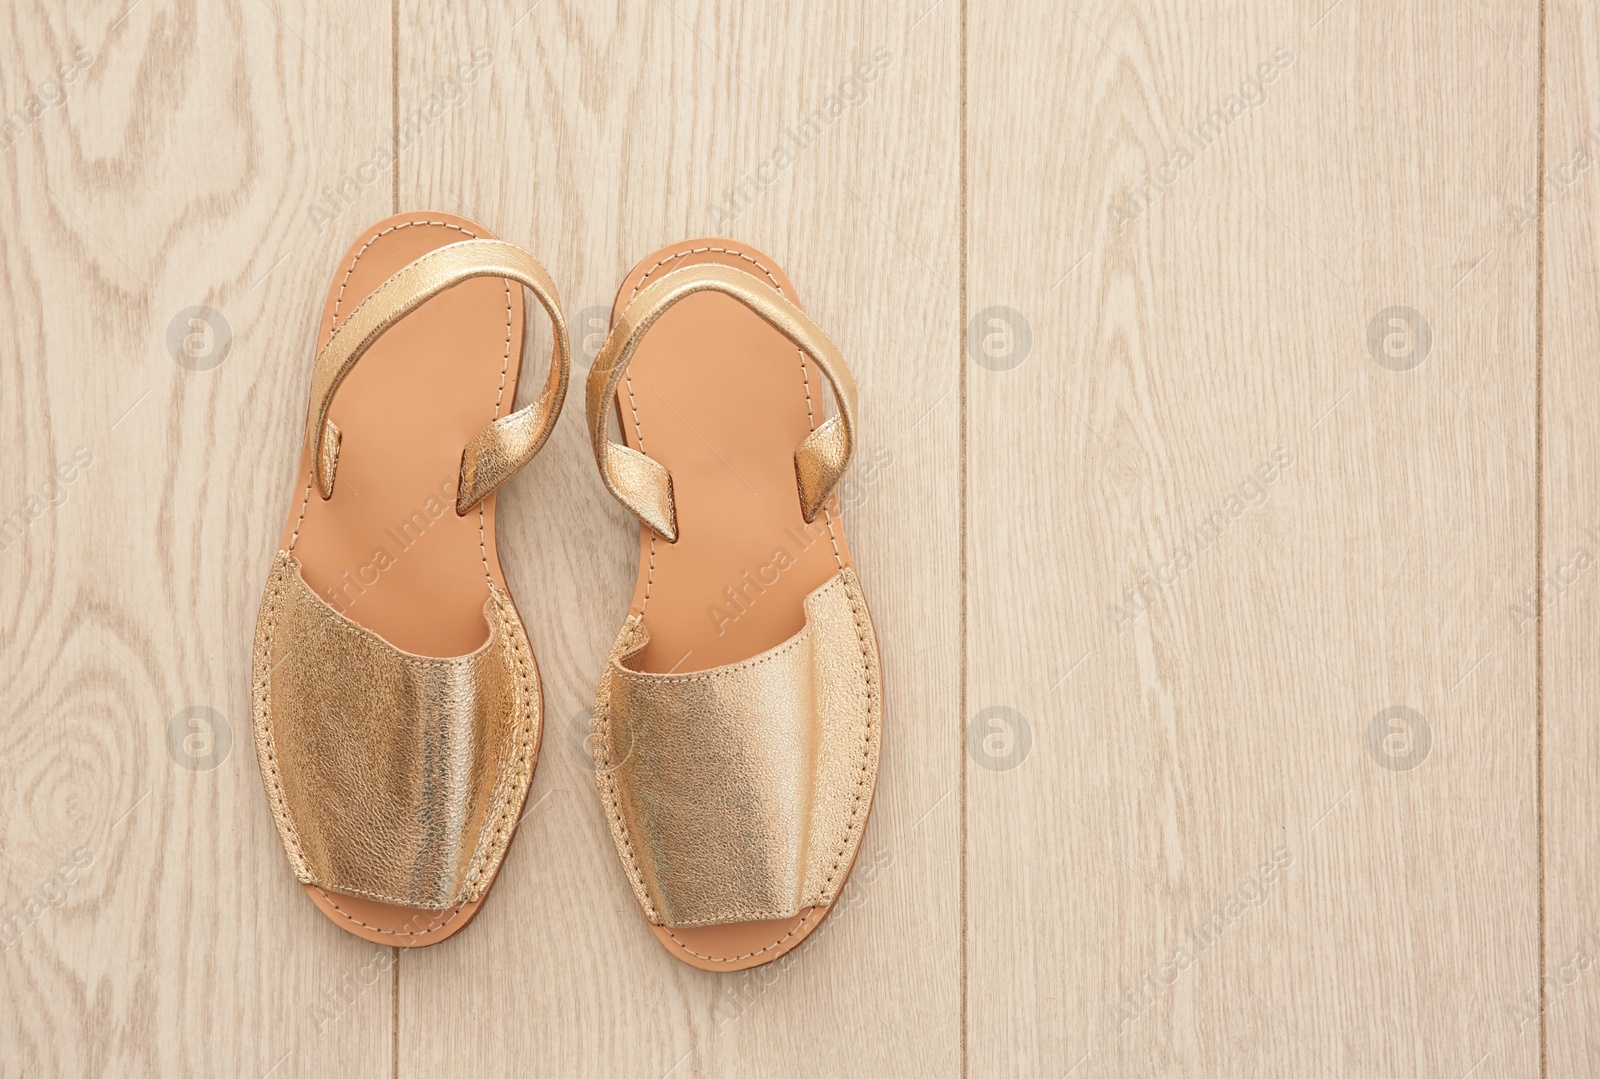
x=1228 y=707
x=1571 y=594
x=595 y=135
x=159 y=933
x=1212 y=539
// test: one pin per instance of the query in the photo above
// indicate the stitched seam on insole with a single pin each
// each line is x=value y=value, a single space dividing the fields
x=827 y=515
x=516 y=655
x=614 y=811
x=747 y=955
x=264 y=718
x=857 y=818
x=333 y=321
x=638 y=431
x=505 y=365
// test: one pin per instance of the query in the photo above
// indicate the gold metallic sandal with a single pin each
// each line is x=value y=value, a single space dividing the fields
x=738 y=721
x=397 y=702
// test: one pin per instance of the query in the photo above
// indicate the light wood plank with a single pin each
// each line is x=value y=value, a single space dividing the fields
x=221 y=155
x=166 y=935
x=1207 y=362
x=1571 y=217
x=595 y=135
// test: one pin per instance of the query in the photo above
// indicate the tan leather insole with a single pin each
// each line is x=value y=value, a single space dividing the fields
x=723 y=401
x=388 y=550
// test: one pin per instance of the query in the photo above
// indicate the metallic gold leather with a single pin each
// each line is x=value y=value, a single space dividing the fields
x=504 y=447
x=819 y=464
x=645 y=487
x=508 y=443
x=821 y=459
x=332 y=439
x=740 y=793
x=391 y=776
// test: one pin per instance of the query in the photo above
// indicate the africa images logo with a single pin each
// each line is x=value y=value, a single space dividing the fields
x=450 y=93
x=1208 y=131
x=47 y=94
x=1146 y=589
x=1154 y=981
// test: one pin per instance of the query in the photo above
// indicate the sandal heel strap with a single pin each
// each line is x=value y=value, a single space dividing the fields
x=505 y=445
x=643 y=484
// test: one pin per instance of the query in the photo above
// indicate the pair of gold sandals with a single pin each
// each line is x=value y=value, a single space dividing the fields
x=397 y=703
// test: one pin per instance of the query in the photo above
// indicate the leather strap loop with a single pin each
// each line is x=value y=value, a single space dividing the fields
x=643 y=484
x=506 y=444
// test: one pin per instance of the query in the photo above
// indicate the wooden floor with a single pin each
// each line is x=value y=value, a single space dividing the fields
x=1233 y=370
